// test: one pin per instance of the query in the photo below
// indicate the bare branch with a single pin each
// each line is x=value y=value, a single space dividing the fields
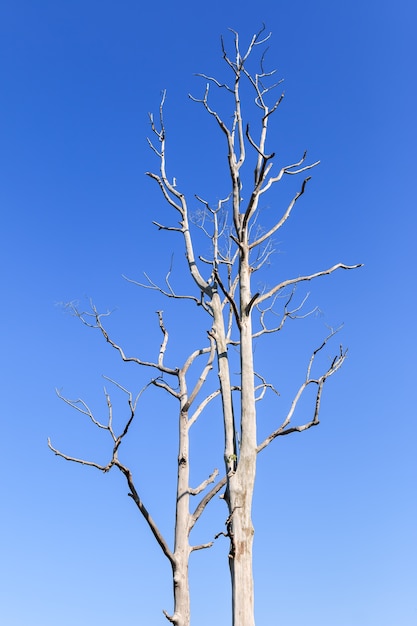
x=299 y=279
x=169 y=294
x=204 y=502
x=263 y=387
x=265 y=157
x=164 y=343
x=285 y=428
x=203 y=376
x=177 y=200
x=202 y=406
x=288 y=314
x=132 y=406
x=215 y=81
x=162 y=384
x=144 y=511
x=263 y=256
x=204 y=484
x=125 y=470
x=229 y=298
x=283 y=219
x=202 y=546
x=80 y=406
x=163 y=187
x=171 y=618
x=204 y=102
x=162 y=227
x=102 y=468
x=96 y=316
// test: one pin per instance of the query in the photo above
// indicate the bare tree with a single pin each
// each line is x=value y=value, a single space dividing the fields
x=237 y=315
x=227 y=295
x=189 y=411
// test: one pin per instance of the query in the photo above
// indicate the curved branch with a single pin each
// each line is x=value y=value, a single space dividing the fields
x=202 y=406
x=102 y=468
x=204 y=502
x=83 y=317
x=204 y=484
x=299 y=279
x=288 y=314
x=283 y=219
x=144 y=511
x=229 y=298
x=203 y=377
x=169 y=294
x=285 y=428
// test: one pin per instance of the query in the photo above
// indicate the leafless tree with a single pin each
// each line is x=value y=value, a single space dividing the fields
x=189 y=410
x=237 y=315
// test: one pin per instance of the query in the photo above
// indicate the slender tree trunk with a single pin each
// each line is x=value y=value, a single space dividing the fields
x=182 y=550
x=241 y=484
x=240 y=469
x=241 y=488
x=241 y=536
x=225 y=386
x=181 y=616
x=240 y=472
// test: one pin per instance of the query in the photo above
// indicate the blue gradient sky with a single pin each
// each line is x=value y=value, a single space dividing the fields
x=335 y=508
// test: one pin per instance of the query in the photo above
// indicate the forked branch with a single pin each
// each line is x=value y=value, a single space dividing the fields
x=286 y=428
x=95 y=316
x=300 y=279
x=287 y=314
x=82 y=407
x=169 y=292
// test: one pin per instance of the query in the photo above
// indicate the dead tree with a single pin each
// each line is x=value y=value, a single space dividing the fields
x=190 y=407
x=236 y=313
x=224 y=281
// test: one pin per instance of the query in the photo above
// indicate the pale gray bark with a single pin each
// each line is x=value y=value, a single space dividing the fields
x=226 y=294
x=223 y=289
x=184 y=520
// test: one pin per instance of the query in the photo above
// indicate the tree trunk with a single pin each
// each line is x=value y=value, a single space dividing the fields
x=240 y=472
x=181 y=616
x=225 y=386
x=241 y=485
x=182 y=550
x=241 y=539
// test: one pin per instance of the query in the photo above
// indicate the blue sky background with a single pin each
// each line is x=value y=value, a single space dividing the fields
x=335 y=508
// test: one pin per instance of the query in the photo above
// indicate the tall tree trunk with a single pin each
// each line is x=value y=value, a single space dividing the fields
x=240 y=464
x=241 y=484
x=240 y=472
x=241 y=538
x=181 y=616
x=225 y=386
x=182 y=550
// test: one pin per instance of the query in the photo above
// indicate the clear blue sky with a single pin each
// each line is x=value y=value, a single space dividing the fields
x=335 y=509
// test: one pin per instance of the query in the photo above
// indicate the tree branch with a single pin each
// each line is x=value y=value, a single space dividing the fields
x=202 y=406
x=299 y=279
x=145 y=513
x=204 y=484
x=285 y=428
x=169 y=294
x=176 y=199
x=204 y=502
x=288 y=314
x=203 y=377
x=283 y=219
x=102 y=468
x=115 y=460
x=83 y=316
